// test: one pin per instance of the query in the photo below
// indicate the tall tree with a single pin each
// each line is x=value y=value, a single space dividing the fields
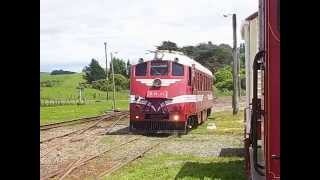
x=210 y=55
x=168 y=45
x=128 y=68
x=93 y=72
x=119 y=67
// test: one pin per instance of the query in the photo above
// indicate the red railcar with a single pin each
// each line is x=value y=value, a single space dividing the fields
x=262 y=131
x=169 y=92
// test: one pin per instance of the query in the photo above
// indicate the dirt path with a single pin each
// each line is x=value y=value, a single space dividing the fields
x=225 y=103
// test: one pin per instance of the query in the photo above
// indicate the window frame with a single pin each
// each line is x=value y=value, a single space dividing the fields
x=189 y=76
x=168 y=68
x=146 y=69
x=172 y=68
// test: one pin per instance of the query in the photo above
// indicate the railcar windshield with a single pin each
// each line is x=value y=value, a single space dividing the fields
x=159 y=68
x=141 y=69
x=177 y=69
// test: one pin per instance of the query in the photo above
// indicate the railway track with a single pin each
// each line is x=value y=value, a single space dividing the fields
x=82 y=130
x=126 y=161
x=79 y=121
x=116 y=122
x=64 y=172
x=82 y=161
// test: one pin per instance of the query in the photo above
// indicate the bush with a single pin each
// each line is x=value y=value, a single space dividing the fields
x=121 y=83
x=57 y=72
x=217 y=92
x=102 y=85
x=49 y=83
x=223 y=79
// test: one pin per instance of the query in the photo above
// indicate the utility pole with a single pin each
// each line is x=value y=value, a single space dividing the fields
x=235 y=96
x=114 y=87
x=105 y=51
x=239 y=74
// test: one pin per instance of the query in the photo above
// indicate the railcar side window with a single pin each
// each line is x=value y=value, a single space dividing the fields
x=177 y=69
x=190 y=76
x=141 y=69
x=159 y=68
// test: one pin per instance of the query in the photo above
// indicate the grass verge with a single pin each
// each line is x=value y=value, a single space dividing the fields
x=171 y=166
x=69 y=112
x=225 y=122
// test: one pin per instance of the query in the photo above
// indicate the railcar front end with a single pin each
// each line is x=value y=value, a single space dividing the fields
x=162 y=99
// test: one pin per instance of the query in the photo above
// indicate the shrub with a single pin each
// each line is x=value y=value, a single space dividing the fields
x=49 y=83
x=223 y=79
x=57 y=72
x=121 y=83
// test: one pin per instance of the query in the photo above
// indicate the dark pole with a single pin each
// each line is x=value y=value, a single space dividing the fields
x=235 y=96
x=114 y=87
x=105 y=51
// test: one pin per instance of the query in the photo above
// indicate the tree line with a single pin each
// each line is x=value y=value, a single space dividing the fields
x=95 y=75
x=217 y=58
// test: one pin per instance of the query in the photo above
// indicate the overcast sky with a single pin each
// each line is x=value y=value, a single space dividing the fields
x=73 y=31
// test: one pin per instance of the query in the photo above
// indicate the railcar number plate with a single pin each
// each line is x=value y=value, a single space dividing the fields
x=157 y=94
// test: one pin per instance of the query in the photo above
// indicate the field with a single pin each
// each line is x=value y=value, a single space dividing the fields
x=65 y=88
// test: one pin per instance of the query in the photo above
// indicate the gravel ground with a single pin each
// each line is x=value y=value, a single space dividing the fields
x=199 y=145
x=60 y=152
x=225 y=103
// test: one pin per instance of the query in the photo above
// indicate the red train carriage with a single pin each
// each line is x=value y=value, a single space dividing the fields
x=169 y=92
x=261 y=32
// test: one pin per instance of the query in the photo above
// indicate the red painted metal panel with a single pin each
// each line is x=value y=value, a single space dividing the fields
x=272 y=122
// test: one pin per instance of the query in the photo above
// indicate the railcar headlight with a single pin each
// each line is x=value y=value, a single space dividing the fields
x=176 y=117
x=156 y=83
x=137 y=117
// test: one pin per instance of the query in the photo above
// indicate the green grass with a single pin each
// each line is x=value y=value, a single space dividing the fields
x=67 y=88
x=170 y=166
x=69 y=112
x=186 y=166
x=225 y=122
x=220 y=93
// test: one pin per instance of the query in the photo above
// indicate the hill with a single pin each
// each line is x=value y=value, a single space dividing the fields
x=65 y=87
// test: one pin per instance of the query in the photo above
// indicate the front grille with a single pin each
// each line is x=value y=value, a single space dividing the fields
x=156 y=116
x=157 y=125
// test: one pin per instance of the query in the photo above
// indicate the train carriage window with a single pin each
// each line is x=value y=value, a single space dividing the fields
x=204 y=83
x=159 y=68
x=198 y=81
x=201 y=81
x=189 y=76
x=177 y=69
x=141 y=69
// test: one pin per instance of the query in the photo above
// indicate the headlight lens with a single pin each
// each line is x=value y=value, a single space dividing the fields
x=157 y=83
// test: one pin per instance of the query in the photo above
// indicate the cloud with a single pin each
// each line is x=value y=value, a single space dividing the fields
x=72 y=32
